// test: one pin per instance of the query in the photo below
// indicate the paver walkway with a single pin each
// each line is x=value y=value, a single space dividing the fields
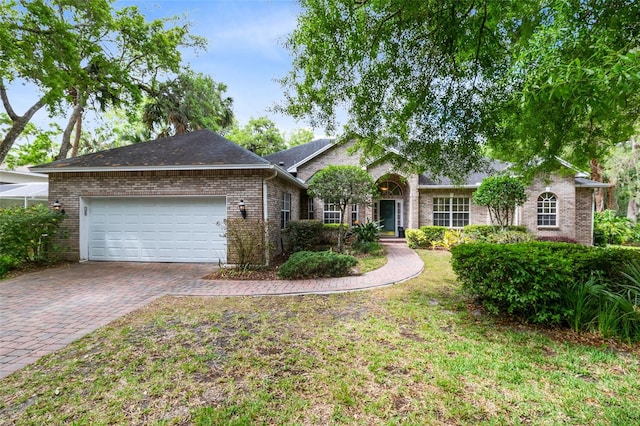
x=44 y=311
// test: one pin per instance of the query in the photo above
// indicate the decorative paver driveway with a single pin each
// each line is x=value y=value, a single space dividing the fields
x=45 y=311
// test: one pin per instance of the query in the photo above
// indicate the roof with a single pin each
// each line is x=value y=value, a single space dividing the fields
x=198 y=149
x=472 y=181
x=299 y=154
x=21 y=176
x=25 y=190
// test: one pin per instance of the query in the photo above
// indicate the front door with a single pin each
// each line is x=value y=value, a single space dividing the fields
x=388 y=216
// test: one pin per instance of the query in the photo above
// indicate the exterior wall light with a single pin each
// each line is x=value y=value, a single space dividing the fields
x=57 y=207
x=243 y=209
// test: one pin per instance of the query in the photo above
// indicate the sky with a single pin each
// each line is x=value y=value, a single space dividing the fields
x=245 y=51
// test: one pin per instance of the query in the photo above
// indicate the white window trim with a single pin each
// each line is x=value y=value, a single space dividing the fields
x=555 y=214
x=285 y=210
x=450 y=211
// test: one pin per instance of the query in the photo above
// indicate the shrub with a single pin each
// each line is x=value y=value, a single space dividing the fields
x=310 y=264
x=329 y=235
x=416 y=238
x=303 y=235
x=26 y=234
x=482 y=232
x=616 y=229
x=510 y=237
x=7 y=263
x=520 y=273
x=451 y=237
x=367 y=232
x=557 y=239
x=524 y=279
x=433 y=233
x=247 y=241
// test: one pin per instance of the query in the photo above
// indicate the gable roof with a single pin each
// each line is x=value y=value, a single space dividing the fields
x=291 y=158
x=472 y=181
x=199 y=148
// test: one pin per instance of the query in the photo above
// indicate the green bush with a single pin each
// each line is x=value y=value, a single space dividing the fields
x=616 y=229
x=528 y=279
x=482 y=232
x=7 y=263
x=311 y=264
x=367 y=247
x=26 y=234
x=303 y=235
x=416 y=238
x=510 y=237
x=367 y=232
x=433 y=233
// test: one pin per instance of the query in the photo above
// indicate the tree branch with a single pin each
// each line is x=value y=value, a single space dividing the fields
x=5 y=102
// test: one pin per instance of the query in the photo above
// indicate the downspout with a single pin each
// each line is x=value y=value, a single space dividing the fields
x=265 y=216
x=593 y=214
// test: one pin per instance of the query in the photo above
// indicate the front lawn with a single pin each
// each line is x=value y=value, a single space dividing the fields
x=414 y=353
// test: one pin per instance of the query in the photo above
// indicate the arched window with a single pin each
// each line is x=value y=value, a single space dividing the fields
x=547 y=209
x=389 y=189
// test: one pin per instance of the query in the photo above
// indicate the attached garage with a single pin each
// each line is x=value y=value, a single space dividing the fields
x=156 y=229
x=167 y=200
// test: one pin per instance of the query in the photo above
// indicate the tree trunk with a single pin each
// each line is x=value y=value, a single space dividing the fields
x=634 y=196
x=76 y=139
x=65 y=146
x=596 y=175
x=18 y=123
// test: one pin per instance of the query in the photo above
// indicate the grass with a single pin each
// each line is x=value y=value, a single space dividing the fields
x=415 y=353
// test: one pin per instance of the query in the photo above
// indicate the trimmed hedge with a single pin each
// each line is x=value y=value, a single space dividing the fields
x=312 y=264
x=433 y=233
x=483 y=231
x=303 y=235
x=528 y=279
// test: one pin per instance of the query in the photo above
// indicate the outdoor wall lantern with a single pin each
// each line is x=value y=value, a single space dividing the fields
x=243 y=209
x=57 y=207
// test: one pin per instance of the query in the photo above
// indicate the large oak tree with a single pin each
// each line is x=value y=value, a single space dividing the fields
x=82 y=54
x=445 y=81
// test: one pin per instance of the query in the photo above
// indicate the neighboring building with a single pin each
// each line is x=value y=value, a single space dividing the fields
x=21 y=188
x=166 y=200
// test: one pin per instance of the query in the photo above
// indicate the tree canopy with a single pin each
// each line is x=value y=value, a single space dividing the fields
x=191 y=101
x=501 y=195
x=446 y=82
x=259 y=135
x=82 y=54
x=343 y=186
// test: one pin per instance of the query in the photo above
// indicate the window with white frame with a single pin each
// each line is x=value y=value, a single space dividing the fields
x=310 y=213
x=285 y=211
x=547 y=209
x=354 y=214
x=451 y=212
x=331 y=213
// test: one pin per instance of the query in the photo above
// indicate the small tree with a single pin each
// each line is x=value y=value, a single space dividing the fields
x=342 y=186
x=501 y=195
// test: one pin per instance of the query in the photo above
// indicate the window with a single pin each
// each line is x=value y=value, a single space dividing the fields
x=331 y=213
x=354 y=214
x=310 y=214
x=285 y=213
x=451 y=212
x=547 y=209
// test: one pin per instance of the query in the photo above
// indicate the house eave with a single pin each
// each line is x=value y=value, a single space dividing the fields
x=448 y=186
x=280 y=171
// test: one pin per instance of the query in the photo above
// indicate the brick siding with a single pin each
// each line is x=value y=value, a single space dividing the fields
x=236 y=185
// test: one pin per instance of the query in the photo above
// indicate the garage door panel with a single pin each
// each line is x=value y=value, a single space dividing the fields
x=157 y=229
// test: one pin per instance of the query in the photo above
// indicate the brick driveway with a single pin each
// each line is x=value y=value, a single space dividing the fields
x=45 y=311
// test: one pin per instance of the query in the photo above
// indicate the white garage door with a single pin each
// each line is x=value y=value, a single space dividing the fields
x=180 y=229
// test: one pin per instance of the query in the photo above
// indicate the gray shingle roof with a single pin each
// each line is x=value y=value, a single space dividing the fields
x=198 y=148
x=472 y=180
x=291 y=156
